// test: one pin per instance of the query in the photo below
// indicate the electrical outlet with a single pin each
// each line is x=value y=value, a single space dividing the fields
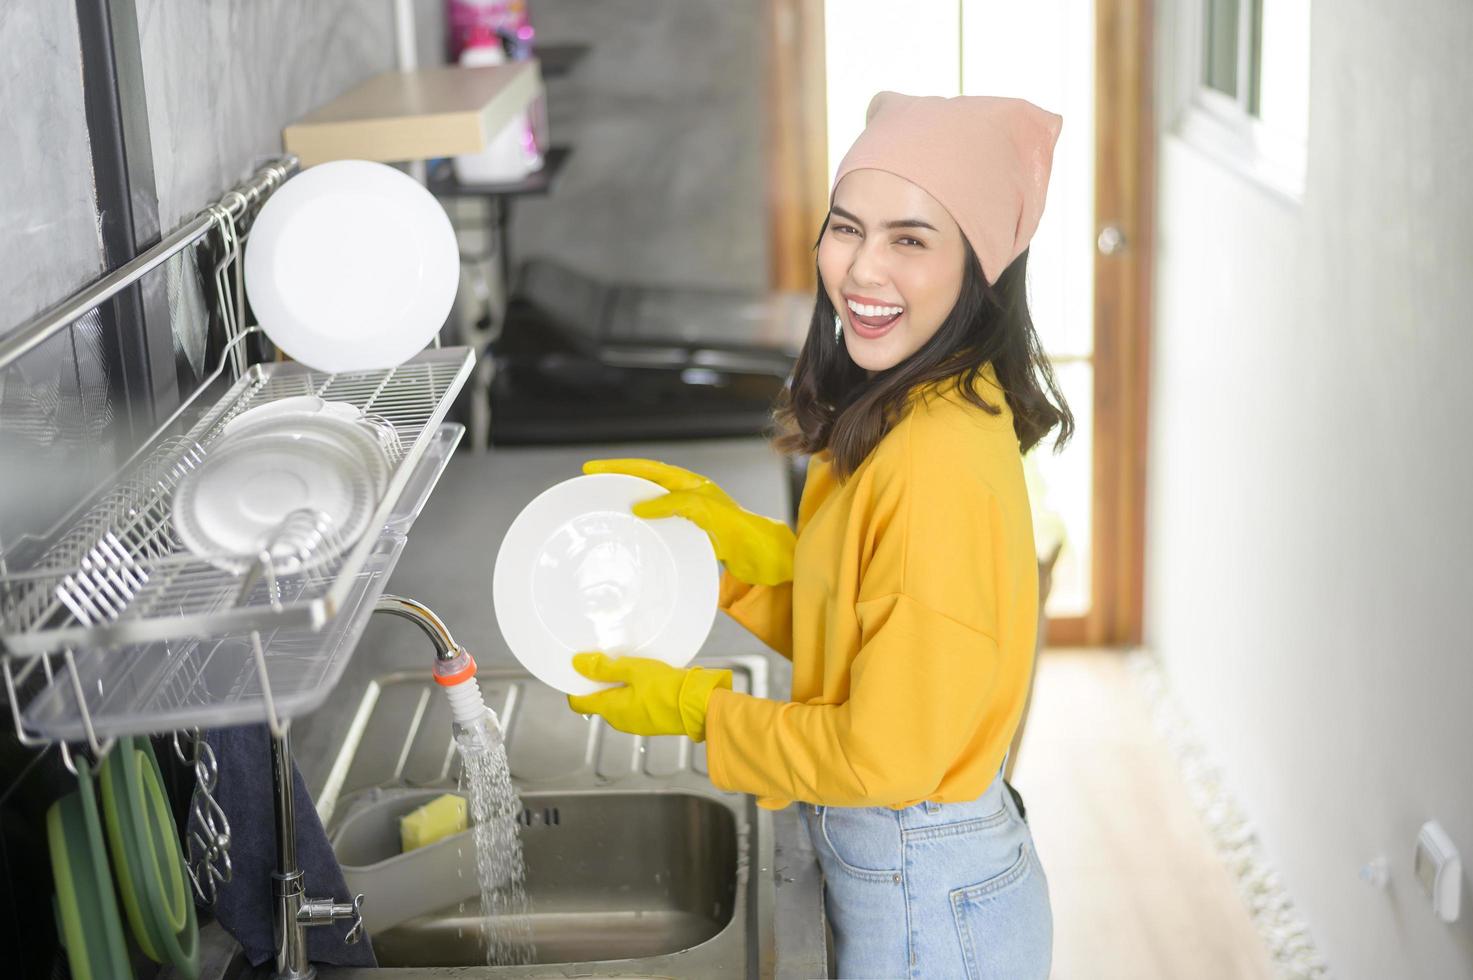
x=1439 y=869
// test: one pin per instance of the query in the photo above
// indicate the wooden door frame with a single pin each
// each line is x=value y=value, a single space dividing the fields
x=1124 y=196
x=1125 y=191
x=796 y=110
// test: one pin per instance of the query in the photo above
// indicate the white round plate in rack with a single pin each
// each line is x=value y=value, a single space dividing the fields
x=295 y=405
x=578 y=571
x=233 y=504
x=360 y=436
x=351 y=266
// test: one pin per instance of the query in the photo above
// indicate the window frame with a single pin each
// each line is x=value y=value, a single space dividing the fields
x=1224 y=127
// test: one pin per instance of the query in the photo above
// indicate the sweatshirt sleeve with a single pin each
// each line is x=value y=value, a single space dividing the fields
x=915 y=694
x=766 y=611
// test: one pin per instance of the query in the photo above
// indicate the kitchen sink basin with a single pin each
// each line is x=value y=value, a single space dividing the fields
x=636 y=865
x=608 y=876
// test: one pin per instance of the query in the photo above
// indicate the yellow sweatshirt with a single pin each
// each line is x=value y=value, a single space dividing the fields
x=910 y=621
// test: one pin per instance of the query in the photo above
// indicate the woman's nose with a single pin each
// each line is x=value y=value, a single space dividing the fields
x=868 y=268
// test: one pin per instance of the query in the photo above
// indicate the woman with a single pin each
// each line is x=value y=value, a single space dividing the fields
x=908 y=599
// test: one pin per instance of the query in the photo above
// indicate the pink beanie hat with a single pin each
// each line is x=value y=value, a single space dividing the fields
x=985 y=159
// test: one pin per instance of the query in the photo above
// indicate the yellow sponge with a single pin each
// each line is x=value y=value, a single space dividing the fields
x=438 y=818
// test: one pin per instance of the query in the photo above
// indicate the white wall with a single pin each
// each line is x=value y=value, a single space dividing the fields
x=1310 y=510
x=869 y=49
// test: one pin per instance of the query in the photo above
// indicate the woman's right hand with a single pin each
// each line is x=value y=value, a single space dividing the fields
x=755 y=549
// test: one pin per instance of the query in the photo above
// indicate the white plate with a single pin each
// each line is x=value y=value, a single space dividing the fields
x=296 y=405
x=231 y=506
x=351 y=266
x=578 y=571
x=355 y=436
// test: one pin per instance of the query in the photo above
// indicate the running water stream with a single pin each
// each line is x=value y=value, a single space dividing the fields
x=494 y=807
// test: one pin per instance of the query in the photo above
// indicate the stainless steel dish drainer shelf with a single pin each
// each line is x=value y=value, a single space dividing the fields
x=110 y=626
x=118 y=629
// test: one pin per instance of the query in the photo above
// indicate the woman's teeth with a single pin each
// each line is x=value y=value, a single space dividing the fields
x=871 y=321
x=875 y=311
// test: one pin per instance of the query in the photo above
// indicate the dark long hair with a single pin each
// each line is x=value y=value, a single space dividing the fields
x=831 y=402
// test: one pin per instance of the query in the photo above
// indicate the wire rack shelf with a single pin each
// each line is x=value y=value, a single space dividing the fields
x=110 y=625
x=120 y=575
x=272 y=671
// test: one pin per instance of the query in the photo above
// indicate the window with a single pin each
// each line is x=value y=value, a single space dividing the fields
x=1247 y=101
x=1221 y=40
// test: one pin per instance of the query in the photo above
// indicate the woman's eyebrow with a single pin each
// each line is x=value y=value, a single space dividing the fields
x=899 y=223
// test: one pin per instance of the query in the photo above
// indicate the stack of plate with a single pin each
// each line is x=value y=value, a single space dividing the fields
x=296 y=478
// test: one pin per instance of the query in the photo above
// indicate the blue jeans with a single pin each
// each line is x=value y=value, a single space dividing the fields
x=937 y=890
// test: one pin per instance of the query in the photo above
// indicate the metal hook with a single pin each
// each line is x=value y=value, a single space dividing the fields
x=178 y=750
x=66 y=759
x=99 y=748
x=229 y=302
x=277 y=728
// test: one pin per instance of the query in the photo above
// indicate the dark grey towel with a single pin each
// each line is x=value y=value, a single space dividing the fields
x=244 y=906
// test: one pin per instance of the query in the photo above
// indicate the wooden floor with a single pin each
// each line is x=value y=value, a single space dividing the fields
x=1138 y=891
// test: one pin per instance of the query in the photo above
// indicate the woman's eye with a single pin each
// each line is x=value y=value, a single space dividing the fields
x=910 y=241
x=846 y=229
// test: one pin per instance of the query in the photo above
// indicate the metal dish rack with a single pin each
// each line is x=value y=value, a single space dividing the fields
x=111 y=627
x=114 y=628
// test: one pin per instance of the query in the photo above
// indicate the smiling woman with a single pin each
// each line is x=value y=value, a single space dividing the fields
x=893 y=279
x=907 y=599
x=926 y=285
x=912 y=610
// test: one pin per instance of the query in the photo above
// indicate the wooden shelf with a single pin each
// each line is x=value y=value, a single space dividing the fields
x=416 y=115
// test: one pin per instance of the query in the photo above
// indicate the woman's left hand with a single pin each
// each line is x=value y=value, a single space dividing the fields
x=654 y=699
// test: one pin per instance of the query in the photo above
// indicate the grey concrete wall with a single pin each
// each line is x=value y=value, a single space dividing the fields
x=1310 y=543
x=666 y=183
x=55 y=399
x=223 y=79
x=49 y=243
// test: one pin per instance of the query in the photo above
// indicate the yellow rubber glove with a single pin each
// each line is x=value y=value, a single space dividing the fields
x=656 y=699
x=757 y=550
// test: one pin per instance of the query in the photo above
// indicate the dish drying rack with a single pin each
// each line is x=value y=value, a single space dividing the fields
x=110 y=626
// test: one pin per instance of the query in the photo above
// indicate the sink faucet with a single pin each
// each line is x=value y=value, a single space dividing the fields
x=454 y=670
x=446 y=649
x=295 y=913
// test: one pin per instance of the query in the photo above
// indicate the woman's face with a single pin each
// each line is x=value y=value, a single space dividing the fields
x=891 y=261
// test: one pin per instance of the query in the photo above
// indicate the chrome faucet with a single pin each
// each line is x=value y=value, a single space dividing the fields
x=455 y=668
x=295 y=913
x=446 y=649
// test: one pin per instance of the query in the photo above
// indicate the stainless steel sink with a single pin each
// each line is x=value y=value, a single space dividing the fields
x=609 y=876
x=636 y=864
